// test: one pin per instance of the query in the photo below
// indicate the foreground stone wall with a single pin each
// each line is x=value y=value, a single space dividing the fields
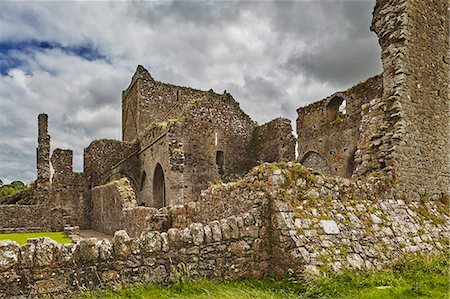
x=323 y=223
x=295 y=221
x=232 y=248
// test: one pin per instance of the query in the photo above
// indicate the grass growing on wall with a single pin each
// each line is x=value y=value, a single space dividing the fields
x=424 y=277
x=21 y=238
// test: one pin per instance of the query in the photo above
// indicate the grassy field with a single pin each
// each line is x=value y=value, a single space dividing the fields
x=425 y=277
x=21 y=238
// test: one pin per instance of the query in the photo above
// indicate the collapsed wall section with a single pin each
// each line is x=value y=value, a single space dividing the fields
x=114 y=208
x=274 y=142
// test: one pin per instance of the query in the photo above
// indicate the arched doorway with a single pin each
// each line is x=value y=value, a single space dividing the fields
x=159 y=187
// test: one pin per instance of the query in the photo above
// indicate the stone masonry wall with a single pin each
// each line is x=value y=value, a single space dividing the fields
x=274 y=141
x=328 y=138
x=426 y=106
x=330 y=223
x=101 y=157
x=216 y=136
x=69 y=190
x=211 y=250
x=297 y=222
x=30 y=218
x=160 y=146
x=114 y=208
x=407 y=129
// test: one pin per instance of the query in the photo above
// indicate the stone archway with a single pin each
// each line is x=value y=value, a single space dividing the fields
x=159 y=187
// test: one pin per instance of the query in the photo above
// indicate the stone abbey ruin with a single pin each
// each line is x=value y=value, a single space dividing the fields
x=195 y=187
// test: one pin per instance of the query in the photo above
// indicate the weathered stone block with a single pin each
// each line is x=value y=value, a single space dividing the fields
x=9 y=254
x=329 y=227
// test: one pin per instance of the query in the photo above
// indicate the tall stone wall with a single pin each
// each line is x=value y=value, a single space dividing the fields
x=274 y=142
x=407 y=130
x=69 y=190
x=161 y=153
x=328 y=138
x=426 y=106
x=217 y=137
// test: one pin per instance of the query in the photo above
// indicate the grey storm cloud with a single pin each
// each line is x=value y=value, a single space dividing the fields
x=272 y=56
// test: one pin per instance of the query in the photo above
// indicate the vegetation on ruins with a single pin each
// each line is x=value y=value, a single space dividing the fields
x=398 y=281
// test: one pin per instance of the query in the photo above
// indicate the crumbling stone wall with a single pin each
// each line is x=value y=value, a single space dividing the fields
x=114 y=208
x=69 y=190
x=411 y=138
x=274 y=141
x=42 y=267
x=328 y=138
x=297 y=222
x=217 y=146
x=322 y=223
x=106 y=158
x=161 y=150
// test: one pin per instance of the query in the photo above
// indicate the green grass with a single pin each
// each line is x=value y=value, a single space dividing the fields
x=424 y=277
x=21 y=238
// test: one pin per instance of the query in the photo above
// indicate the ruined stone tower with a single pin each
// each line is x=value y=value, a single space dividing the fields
x=413 y=142
x=43 y=153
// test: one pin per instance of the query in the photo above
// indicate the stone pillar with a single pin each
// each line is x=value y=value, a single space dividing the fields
x=43 y=152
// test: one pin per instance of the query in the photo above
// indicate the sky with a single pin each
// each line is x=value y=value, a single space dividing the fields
x=72 y=60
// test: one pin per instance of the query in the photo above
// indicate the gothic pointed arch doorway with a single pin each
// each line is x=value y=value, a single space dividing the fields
x=159 y=187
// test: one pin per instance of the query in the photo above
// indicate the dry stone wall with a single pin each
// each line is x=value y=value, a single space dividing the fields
x=291 y=220
x=212 y=250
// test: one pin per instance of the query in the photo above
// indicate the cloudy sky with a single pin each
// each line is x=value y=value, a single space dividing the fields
x=73 y=59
